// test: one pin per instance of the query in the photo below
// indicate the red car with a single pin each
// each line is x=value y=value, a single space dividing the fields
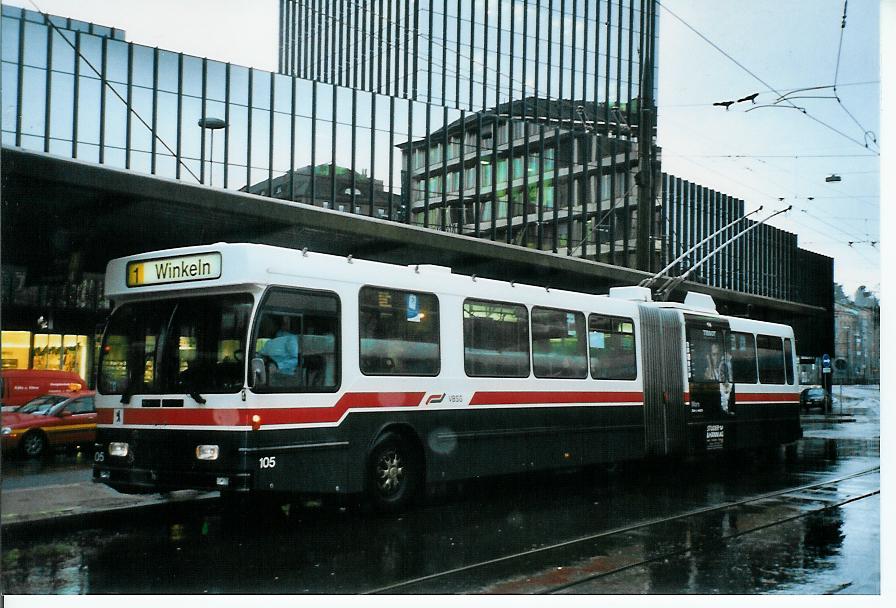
x=50 y=421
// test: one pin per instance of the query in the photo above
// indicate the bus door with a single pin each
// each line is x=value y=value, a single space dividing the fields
x=713 y=398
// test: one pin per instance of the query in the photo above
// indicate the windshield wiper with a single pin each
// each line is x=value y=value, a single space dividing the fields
x=197 y=397
x=127 y=394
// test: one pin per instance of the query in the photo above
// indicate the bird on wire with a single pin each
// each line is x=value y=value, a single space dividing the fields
x=724 y=104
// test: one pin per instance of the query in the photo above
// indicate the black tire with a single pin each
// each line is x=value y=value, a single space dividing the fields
x=34 y=445
x=393 y=473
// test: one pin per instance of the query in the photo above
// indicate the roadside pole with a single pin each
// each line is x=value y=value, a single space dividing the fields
x=827 y=384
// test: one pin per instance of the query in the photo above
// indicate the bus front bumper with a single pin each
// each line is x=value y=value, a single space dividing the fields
x=128 y=480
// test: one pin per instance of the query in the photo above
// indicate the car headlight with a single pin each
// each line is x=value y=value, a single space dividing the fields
x=5 y=430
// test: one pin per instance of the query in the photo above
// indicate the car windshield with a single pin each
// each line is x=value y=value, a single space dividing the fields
x=41 y=405
x=185 y=345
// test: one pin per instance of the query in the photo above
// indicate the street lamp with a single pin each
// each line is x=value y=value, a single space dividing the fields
x=212 y=124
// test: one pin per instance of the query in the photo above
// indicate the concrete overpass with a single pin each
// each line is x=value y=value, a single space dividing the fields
x=61 y=216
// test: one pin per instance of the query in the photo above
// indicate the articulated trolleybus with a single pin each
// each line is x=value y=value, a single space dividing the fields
x=252 y=369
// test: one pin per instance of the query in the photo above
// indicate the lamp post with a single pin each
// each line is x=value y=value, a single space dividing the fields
x=212 y=124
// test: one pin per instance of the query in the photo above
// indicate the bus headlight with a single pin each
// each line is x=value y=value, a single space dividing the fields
x=118 y=448
x=6 y=430
x=207 y=452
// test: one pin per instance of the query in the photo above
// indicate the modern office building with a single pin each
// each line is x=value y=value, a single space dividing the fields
x=525 y=113
x=518 y=121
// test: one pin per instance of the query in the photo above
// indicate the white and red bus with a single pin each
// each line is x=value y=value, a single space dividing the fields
x=253 y=369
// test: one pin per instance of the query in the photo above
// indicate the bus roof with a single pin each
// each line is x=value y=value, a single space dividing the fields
x=226 y=265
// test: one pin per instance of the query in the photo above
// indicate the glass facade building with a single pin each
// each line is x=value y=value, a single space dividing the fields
x=475 y=54
x=523 y=115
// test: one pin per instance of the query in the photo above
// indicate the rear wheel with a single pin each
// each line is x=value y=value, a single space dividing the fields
x=34 y=445
x=393 y=473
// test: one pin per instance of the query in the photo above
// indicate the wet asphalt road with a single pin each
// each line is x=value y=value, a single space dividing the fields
x=347 y=549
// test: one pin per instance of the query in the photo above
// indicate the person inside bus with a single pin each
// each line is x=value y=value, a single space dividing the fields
x=283 y=349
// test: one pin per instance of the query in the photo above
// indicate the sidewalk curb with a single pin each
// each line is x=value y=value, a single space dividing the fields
x=833 y=418
x=53 y=522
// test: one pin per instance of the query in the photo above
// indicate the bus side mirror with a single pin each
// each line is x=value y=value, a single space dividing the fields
x=258 y=373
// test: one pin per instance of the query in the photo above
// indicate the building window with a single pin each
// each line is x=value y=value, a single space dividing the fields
x=454 y=147
x=558 y=344
x=399 y=332
x=419 y=158
x=486 y=207
x=611 y=343
x=16 y=349
x=502 y=171
x=485 y=174
x=517 y=167
x=496 y=339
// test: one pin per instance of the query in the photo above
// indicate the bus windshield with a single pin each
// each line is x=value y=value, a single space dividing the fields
x=187 y=345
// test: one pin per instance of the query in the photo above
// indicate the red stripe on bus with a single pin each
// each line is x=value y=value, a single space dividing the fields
x=788 y=397
x=533 y=397
x=243 y=416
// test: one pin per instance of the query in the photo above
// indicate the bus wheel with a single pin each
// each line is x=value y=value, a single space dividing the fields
x=393 y=473
x=34 y=445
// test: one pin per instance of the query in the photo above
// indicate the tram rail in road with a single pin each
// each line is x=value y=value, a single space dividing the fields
x=507 y=574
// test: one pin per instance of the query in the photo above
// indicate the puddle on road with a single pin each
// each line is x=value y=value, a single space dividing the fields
x=332 y=550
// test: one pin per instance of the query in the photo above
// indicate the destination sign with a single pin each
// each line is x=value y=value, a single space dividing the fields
x=179 y=269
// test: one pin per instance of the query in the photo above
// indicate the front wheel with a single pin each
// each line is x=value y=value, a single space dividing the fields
x=393 y=473
x=34 y=445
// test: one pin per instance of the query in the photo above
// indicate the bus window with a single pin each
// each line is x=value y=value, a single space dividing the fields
x=496 y=339
x=558 y=344
x=743 y=357
x=297 y=337
x=399 y=332
x=788 y=361
x=771 y=359
x=611 y=342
